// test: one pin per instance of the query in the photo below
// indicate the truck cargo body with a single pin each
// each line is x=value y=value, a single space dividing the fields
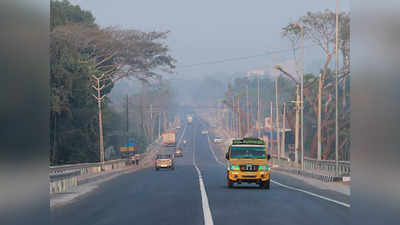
x=169 y=138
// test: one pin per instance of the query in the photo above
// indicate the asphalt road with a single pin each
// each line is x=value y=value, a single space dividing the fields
x=196 y=193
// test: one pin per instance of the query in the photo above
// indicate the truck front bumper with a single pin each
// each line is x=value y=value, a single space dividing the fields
x=249 y=177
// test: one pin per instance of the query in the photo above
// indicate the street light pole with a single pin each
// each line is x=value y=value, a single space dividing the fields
x=247 y=109
x=258 y=106
x=336 y=92
x=302 y=97
x=278 y=133
x=319 y=118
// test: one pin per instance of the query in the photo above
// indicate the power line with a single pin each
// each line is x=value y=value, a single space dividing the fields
x=239 y=58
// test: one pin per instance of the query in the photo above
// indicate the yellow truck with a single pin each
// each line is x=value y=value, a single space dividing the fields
x=169 y=138
x=248 y=162
x=189 y=118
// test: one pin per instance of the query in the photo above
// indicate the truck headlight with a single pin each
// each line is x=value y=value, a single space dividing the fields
x=234 y=167
x=263 y=167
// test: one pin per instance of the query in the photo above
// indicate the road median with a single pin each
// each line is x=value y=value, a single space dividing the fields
x=68 y=182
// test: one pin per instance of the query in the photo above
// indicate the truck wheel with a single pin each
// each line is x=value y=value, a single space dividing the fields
x=230 y=184
x=267 y=184
x=264 y=185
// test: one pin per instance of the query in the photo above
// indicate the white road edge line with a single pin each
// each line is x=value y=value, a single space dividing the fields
x=312 y=194
x=204 y=199
x=289 y=187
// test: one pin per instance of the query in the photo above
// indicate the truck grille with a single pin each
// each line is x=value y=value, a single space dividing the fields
x=248 y=168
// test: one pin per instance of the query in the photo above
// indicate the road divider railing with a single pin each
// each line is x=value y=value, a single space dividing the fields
x=324 y=170
x=65 y=178
x=329 y=166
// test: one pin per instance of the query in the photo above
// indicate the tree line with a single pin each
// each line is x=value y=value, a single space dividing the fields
x=80 y=52
x=318 y=28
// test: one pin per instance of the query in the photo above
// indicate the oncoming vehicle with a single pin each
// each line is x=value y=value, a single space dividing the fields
x=178 y=152
x=204 y=132
x=164 y=161
x=218 y=139
x=248 y=162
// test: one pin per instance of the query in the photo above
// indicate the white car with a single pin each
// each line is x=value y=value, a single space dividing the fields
x=218 y=140
x=204 y=132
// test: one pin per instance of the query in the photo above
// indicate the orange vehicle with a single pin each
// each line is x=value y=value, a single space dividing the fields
x=178 y=152
x=248 y=162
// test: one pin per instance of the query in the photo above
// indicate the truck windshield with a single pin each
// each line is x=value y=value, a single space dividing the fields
x=163 y=157
x=248 y=152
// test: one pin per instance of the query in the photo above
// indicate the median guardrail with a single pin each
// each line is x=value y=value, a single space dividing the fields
x=328 y=166
x=65 y=178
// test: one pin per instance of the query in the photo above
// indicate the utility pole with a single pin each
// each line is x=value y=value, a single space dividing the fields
x=336 y=91
x=127 y=120
x=302 y=97
x=277 y=119
x=239 y=119
x=152 y=122
x=319 y=118
x=258 y=106
x=159 y=124
x=296 y=141
x=284 y=130
x=247 y=110
x=233 y=115
x=99 y=99
x=271 y=123
x=164 y=121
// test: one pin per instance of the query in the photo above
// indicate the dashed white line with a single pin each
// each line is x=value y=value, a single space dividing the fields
x=289 y=187
x=183 y=134
x=213 y=152
x=208 y=220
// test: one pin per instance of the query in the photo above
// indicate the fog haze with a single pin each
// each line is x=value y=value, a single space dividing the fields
x=203 y=31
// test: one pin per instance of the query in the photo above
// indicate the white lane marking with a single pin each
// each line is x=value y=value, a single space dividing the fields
x=291 y=188
x=213 y=152
x=183 y=134
x=204 y=199
x=312 y=194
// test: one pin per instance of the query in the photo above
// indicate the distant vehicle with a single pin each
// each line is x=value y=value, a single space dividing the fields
x=178 y=127
x=184 y=142
x=189 y=119
x=169 y=138
x=248 y=162
x=218 y=139
x=137 y=158
x=204 y=132
x=164 y=161
x=178 y=152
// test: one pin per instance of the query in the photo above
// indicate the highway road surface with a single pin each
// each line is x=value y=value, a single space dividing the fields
x=195 y=193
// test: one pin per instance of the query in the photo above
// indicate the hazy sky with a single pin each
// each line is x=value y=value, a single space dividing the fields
x=208 y=30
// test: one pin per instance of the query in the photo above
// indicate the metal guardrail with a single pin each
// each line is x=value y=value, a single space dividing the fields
x=324 y=170
x=85 y=167
x=328 y=166
x=64 y=178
